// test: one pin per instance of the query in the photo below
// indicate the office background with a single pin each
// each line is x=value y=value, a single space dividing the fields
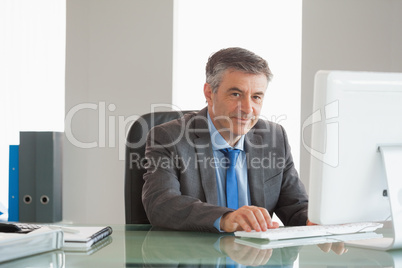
x=134 y=55
x=120 y=60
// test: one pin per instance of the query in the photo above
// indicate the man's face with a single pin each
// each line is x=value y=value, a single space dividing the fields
x=235 y=107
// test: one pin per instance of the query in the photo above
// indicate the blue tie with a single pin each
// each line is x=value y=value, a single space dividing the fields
x=232 y=195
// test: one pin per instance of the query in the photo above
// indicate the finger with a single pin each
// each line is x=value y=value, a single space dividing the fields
x=250 y=219
x=258 y=218
x=263 y=219
x=274 y=225
x=241 y=218
x=260 y=215
x=271 y=224
x=246 y=218
x=267 y=217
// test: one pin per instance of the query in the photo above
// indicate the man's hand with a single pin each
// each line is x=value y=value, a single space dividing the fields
x=245 y=255
x=338 y=248
x=309 y=223
x=248 y=218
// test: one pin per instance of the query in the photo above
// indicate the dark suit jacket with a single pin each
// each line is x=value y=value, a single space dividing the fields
x=180 y=189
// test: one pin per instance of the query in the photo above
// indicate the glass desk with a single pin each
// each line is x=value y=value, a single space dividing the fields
x=143 y=246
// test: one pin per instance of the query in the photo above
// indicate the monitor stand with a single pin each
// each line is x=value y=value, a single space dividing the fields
x=392 y=159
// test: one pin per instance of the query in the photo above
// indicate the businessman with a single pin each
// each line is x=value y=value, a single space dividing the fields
x=222 y=168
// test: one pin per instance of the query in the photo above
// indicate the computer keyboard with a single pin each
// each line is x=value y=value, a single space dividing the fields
x=23 y=228
x=304 y=241
x=18 y=227
x=311 y=231
x=27 y=227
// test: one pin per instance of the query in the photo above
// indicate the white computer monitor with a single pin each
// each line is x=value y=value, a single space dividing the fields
x=356 y=148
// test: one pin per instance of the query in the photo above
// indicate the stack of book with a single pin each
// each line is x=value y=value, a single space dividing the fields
x=15 y=245
x=50 y=237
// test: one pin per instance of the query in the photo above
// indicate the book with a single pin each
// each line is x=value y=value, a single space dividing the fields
x=15 y=245
x=85 y=237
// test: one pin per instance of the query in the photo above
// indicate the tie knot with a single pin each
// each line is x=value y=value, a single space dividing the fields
x=231 y=154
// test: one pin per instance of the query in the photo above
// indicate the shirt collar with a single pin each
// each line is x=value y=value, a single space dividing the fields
x=218 y=142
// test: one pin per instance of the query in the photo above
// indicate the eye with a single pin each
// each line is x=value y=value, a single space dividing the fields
x=257 y=98
x=235 y=94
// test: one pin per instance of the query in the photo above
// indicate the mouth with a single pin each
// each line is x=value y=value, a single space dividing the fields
x=243 y=120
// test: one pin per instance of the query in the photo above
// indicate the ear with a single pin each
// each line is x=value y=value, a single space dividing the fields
x=208 y=93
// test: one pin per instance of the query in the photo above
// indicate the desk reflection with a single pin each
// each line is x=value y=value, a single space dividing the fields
x=161 y=247
x=141 y=246
x=53 y=259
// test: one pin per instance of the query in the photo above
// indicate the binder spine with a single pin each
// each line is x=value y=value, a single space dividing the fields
x=27 y=170
x=48 y=177
x=58 y=175
x=13 y=190
x=41 y=176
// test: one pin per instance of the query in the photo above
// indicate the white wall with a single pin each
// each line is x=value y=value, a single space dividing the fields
x=360 y=35
x=197 y=38
x=119 y=62
x=32 y=62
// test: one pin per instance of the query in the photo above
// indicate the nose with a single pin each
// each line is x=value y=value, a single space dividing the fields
x=246 y=106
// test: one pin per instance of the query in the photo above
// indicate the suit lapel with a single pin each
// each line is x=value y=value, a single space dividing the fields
x=204 y=157
x=253 y=147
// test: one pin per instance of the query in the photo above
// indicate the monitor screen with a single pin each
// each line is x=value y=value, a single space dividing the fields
x=354 y=114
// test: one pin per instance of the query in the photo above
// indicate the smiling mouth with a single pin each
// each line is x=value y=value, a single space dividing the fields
x=243 y=120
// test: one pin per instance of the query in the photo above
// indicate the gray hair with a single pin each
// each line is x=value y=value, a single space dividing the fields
x=235 y=58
